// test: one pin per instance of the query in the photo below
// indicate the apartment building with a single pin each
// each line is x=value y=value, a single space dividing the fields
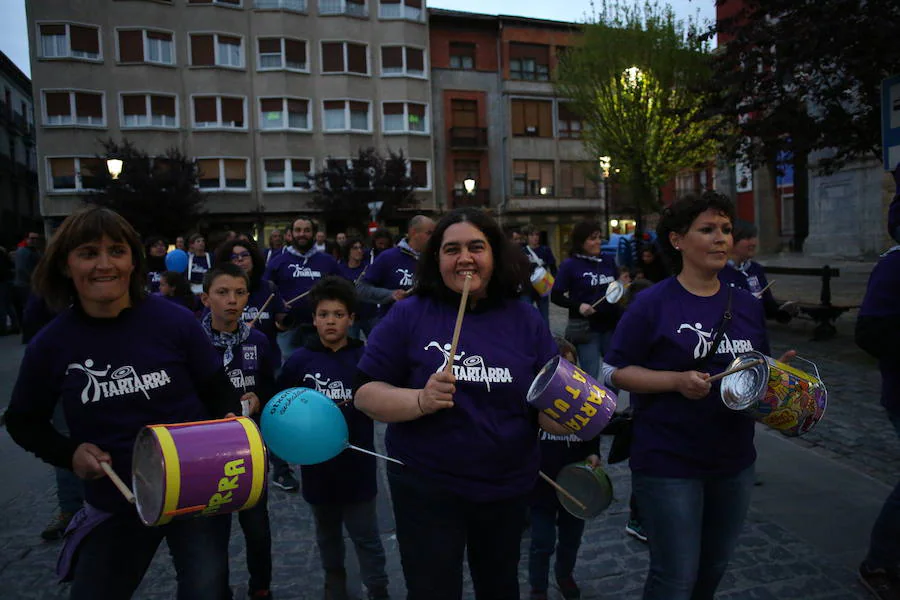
x=19 y=211
x=260 y=92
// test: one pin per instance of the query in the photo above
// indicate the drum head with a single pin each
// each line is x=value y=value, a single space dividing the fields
x=538 y=274
x=591 y=486
x=148 y=477
x=614 y=292
x=745 y=388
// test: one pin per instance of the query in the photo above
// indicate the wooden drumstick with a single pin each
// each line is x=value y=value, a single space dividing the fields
x=260 y=311
x=562 y=490
x=737 y=369
x=594 y=305
x=763 y=291
x=117 y=481
x=292 y=300
x=459 y=319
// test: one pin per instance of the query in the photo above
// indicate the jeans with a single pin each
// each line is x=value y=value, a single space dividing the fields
x=361 y=521
x=544 y=540
x=6 y=308
x=258 y=537
x=543 y=305
x=693 y=527
x=590 y=354
x=113 y=558
x=279 y=465
x=436 y=527
x=69 y=488
x=291 y=340
x=884 y=547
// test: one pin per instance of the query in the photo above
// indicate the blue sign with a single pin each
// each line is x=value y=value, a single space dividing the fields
x=890 y=121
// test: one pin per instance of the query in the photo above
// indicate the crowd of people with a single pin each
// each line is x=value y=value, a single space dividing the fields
x=369 y=324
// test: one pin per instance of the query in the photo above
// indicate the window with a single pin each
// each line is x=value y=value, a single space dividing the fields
x=346 y=115
x=530 y=62
x=231 y=3
x=418 y=172
x=288 y=173
x=345 y=57
x=355 y=8
x=568 y=123
x=74 y=108
x=140 y=46
x=464 y=113
x=294 y=5
x=223 y=174
x=62 y=40
x=462 y=55
x=282 y=53
x=533 y=118
x=404 y=117
x=74 y=173
x=148 y=110
x=284 y=113
x=401 y=9
x=219 y=111
x=573 y=180
x=532 y=178
x=214 y=49
x=402 y=60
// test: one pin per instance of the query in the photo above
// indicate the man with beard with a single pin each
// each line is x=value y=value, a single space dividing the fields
x=294 y=272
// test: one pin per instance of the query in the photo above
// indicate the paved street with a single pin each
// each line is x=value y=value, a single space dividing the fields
x=807 y=530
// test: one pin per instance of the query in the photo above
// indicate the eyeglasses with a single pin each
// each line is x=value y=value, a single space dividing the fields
x=240 y=256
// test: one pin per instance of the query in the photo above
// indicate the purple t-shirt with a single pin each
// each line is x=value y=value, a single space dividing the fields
x=883 y=300
x=197 y=267
x=295 y=275
x=669 y=329
x=266 y=319
x=252 y=366
x=585 y=281
x=114 y=376
x=364 y=310
x=393 y=269
x=485 y=447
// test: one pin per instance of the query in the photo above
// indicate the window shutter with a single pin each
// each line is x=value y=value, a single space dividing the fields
x=418 y=172
x=417 y=110
x=390 y=1
x=518 y=117
x=392 y=57
x=334 y=105
x=85 y=39
x=62 y=167
x=271 y=105
x=55 y=30
x=545 y=119
x=159 y=35
x=415 y=59
x=134 y=105
x=202 y=52
x=393 y=108
x=57 y=103
x=88 y=105
x=356 y=58
x=131 y=46
x=297 y=106
x=269 y=45
x=235 y=168
x=90 y=167
x=465 y=113
x=233 y=110
x=414 y=3
x=546 y=174
x=205 y=109
x=228 y=39
x=359 y=107
x=332 y=57
x=533 y=170
x=273 y=165
x=295 y=51
x=300 y=166
x=162 y=105
x=208 y=168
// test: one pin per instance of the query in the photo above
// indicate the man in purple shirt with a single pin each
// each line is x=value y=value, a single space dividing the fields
x=539 y=256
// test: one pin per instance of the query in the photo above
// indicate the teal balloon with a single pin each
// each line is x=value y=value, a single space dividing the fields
x=304 y=427
x=177 y=260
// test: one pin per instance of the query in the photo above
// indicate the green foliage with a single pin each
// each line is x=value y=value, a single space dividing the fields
x=634 y=79
x=157 y=195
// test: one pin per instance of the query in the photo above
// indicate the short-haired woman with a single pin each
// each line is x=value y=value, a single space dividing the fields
x=468 y=439
x=118 y=360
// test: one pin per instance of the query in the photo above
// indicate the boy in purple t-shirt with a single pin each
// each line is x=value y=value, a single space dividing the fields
x=342 y=490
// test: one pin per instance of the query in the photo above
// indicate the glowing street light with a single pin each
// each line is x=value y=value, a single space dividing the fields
x=469 y=185
x=114 y=166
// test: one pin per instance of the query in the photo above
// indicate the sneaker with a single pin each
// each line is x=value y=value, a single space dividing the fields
x=569 y=588
x=57 y=526
x=635 y=530
x=883 y=584
x=286 y=481
x=538 y=594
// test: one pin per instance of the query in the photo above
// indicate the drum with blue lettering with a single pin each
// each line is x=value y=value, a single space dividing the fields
x=198 y=469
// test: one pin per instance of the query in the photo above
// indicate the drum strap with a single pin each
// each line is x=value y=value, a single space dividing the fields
x=720 y=332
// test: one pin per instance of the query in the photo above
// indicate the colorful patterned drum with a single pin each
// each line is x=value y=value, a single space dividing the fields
x=572 y=398
x=198 y=469
x=778 y=395
x=542 y=281
x=590 y=485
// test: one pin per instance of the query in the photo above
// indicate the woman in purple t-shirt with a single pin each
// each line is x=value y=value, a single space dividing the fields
x=468 y=439
x=691 y=458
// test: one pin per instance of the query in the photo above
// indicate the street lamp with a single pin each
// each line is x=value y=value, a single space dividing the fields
x=114 y=166
x=469 y=185
x=605 y=165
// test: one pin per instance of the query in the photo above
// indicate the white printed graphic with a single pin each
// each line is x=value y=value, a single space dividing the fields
x=122 y=381
x=299 y=271
x=471 y=369
x=407 y=279
x=704 y=341
x=333 y=389
x=596 y=279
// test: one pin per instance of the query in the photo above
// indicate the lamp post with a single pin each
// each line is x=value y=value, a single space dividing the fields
x=114 y=166
x=469 y=185
x=605 y=164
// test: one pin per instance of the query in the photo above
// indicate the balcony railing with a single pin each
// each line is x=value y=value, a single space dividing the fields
x=295 y=5
x=343 y=7
x=480 y=198
x=468 y=137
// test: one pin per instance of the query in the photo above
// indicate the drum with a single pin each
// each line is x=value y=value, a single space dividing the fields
x=198 y=469
x=572 y=398
x=590 y=485
x=542 y=281
x=783 y=397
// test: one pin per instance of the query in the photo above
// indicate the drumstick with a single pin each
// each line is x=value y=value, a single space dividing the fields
x=117 y=481
x=375 y=454
x=562 y=490
x=261 y=309
x=292 y=300
x=763 y=291
x=737 y=369
x=598 y=302
x=459 y=319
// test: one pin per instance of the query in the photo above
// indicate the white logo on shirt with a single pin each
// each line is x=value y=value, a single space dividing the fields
x=124 y=380
x=704 y=341
x=333 y=389
x=596 y=279
x=407 y=279
x=298 y=271
x=252 y=313
x=241 y=381
x=472 y=368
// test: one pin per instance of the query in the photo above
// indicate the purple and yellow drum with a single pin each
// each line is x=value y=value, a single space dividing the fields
x=776 y=394
x=572 y=398
x=542 y=281
x=198 y=469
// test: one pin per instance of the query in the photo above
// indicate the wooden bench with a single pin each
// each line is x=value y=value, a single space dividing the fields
x=825 y=313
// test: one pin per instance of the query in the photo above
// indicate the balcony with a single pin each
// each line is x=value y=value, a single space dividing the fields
x=480 y=198
x=468 y=137
x=552 y=204
x=291 y=5
x=343 y=7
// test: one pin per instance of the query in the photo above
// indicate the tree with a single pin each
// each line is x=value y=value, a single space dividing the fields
x=344 y=189
x=157 y=195
x=799 y=76
x=633 y=79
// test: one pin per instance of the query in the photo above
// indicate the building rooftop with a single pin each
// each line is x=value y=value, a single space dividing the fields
x=10 y=70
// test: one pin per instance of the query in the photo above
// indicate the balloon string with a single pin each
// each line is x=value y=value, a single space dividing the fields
x=364 y=451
